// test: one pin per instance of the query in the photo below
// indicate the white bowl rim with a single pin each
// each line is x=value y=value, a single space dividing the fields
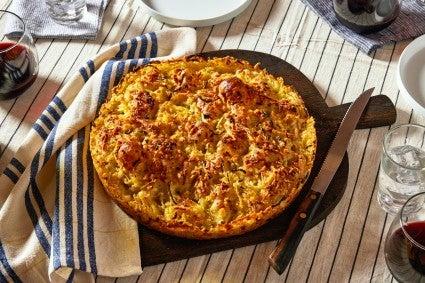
x=220 y=13
x=411 y=49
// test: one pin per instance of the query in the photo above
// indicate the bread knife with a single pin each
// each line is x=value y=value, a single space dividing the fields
x=287 y=245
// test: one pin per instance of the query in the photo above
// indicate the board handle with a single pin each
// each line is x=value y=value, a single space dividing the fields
x=379 y=112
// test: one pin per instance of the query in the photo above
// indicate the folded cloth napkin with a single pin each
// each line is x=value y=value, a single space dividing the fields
x=54 y=214
x=40 y=24
x=410 y=23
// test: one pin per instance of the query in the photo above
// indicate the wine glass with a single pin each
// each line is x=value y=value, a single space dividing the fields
x=405 y=241
x=366 y=16
x=18 y=56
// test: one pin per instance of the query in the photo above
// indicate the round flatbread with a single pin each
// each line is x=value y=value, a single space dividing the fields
x=203 y=148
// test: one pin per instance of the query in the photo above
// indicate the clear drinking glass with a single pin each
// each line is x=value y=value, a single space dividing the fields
x=402 y=171
x=405 y=242
x=66 y=12
x=18 y=56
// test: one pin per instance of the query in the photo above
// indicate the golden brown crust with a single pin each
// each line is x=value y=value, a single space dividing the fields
x=203 y=148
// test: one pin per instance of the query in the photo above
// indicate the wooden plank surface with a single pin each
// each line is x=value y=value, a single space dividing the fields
x=347 y=246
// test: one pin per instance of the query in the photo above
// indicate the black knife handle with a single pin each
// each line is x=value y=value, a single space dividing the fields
x=286 y=247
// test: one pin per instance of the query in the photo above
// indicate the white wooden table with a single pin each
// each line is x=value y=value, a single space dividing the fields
x=348 y=245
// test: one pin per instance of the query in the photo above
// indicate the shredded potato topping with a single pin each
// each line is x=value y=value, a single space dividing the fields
x=203 y=148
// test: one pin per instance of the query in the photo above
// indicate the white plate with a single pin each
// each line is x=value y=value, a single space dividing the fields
x=194 y=13
x=411 y=74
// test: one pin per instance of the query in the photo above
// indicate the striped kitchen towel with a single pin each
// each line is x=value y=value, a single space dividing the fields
x=409 y=24
x=56 y=221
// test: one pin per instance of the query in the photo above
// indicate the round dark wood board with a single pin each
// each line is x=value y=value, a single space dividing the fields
x=159 y=248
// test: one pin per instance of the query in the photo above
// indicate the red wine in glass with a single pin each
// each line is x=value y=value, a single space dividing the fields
x=366 y=16
x=18 y=56
x=17 y=69
x=400 y=247
x=416 y=248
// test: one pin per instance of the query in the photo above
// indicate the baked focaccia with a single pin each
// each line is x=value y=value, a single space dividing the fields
x=203 y=148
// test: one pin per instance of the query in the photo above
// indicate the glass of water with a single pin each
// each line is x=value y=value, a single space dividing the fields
x=402 y=171
x=66 y=12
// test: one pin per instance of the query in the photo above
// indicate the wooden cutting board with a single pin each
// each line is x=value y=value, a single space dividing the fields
x=158 y=248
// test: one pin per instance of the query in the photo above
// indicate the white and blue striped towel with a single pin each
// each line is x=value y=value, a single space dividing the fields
x=55 y=218
x=409 y=24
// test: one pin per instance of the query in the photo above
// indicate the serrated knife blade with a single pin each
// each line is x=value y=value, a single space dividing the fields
x=286 y=247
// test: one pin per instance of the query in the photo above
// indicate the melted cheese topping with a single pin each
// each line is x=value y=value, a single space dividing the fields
x=203 y=148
